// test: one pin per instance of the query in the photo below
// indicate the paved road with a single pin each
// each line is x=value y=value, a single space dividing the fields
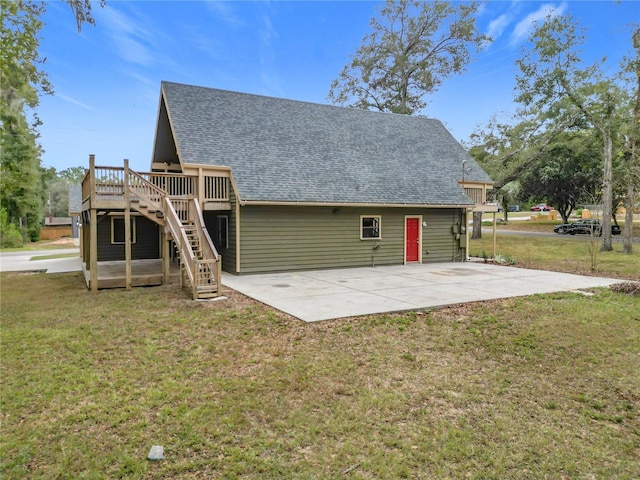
x=21 y=261
x=488 y=231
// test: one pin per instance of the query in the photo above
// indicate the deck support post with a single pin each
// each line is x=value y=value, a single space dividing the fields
x=200 y=193
x=127 y=227
x=495 y=235
x=219 y=276
x=166 y=247
x=466 y=230
x=93 y=250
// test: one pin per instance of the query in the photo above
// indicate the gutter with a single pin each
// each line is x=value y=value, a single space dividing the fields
x=351 y=204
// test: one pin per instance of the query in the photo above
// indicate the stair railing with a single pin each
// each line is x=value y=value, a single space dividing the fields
x=211 y=263
x=208 y=247
x=187 y=256
x=145 y=191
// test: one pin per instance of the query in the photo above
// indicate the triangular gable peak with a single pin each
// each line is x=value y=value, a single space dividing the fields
x=165 y=153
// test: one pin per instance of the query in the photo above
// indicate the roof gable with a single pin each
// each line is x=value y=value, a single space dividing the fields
x=289 y=151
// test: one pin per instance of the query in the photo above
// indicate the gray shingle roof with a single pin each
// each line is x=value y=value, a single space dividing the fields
x=290 y=151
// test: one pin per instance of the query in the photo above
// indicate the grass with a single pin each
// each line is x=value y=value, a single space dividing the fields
x=546 y=386
x=542 y=226
x=42 y=245
x=561 y=253
x=53 y=256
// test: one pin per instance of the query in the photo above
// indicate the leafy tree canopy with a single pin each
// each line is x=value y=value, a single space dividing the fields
x=22 y=82
x=413 y=48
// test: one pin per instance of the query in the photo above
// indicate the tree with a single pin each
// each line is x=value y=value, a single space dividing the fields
x=508 y=194
x=631 y=153
x=56 y=188
x=22 y=82
x=564 y=171
x=550 y=73
x=73 y=175
x=20 y=182
x=413 y=48
x=83 y=11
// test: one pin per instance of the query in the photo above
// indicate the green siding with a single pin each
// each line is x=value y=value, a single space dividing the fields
x=439 y=243
x=229 y=257
x=280 y=238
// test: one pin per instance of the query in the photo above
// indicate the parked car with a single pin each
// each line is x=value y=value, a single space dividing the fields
x=584 y=226
x=541 y=207
x=495 y=204
x=514 y=208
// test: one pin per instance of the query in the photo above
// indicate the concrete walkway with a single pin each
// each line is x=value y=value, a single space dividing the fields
x=31 y=261
x=328 y=294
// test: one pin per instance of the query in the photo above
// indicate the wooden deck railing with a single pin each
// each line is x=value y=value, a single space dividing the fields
x=176 y=185
x=181 y=207
x=475 y=194
x=107 y=183
x=143 y=190
x=216 y=189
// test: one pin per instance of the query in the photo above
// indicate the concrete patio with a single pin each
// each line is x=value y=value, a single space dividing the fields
x=328 y=294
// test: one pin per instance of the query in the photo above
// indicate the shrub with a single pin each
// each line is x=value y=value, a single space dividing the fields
x=630 y=288
x=10 y=236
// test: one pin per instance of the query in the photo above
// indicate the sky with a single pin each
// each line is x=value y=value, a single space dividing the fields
x=107 y=77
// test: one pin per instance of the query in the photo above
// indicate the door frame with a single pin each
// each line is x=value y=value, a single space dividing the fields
x=419 y=218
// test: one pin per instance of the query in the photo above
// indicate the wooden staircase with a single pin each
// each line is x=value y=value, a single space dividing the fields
x=200 y=263
x=206 y=285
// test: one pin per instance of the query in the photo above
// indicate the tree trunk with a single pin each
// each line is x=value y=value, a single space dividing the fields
x=607 y=192
x=477 y=226
x=628 y=220
x=505 y=210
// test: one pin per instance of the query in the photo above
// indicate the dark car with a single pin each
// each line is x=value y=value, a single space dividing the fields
x=584 y=226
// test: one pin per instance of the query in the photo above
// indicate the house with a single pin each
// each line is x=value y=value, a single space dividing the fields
x=254 y=184
x=56 y=227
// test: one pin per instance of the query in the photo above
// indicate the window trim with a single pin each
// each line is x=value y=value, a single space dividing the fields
x=113 y=230
x=378 y=218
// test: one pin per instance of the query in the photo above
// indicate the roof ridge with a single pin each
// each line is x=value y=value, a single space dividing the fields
x=307 y=102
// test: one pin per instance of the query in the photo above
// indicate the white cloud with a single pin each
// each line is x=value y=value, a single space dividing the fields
x=498 y=25
x=133 y=41
x=74 y=101
x=224 y=12
x=268 y=35
x=524 y=26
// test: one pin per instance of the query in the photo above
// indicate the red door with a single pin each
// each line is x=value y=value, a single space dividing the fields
x=412 y=232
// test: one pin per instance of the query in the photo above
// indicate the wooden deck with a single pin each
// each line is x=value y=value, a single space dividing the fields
x=143 y=273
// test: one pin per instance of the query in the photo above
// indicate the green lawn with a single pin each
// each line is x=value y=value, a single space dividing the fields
x=42 y=245
x=561 y=253
x=541 y=387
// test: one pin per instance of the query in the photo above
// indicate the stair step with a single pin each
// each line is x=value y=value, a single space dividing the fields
x=159 y=214
x=207 y=289
x=207 y=295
